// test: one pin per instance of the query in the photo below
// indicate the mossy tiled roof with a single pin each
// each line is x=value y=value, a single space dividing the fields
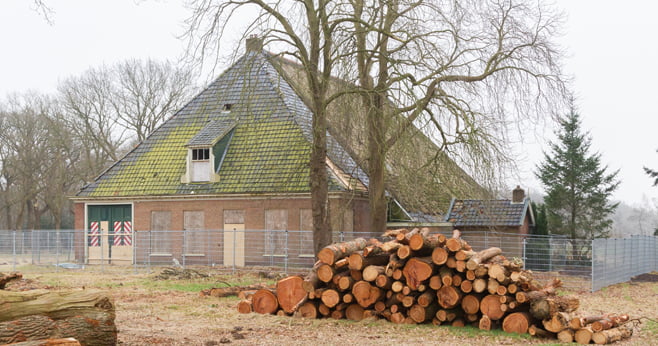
x=268 y=152
x=477 y=212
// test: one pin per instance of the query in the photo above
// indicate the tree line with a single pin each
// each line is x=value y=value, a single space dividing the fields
x=53 y=144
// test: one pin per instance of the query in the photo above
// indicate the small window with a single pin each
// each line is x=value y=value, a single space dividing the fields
x=227 y=107
x=200 y=154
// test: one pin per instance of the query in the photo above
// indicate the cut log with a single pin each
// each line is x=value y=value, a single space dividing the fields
x=264 y=301
x=421 y=313
x=470 y=304
x=485 y=323
x=394 y=232
x=609 y=322
x=439 y=256
x=448 y=315
x=538 y=332
x=404 y=252
x=87 y=315
x=517 y=322
x=345 y=283
x=330 y=298
x=482 y=257
x=419 y=241
x=397 y=318
x=354 y=312
x=612 y=335
x=498 y=272
x=371 y=272
x=490 y=306
x=244 y=306
x=337 y=314
x=366 y=294
x=325 y=272
x=384 y=282
x=435 y=282
x=332 y=253
x=566 y=336
x=557 y=323
x=307 y=310
x=583 y=335
x=290 y=292
x=6 y=278
x=456 y=243
x=324 y=310
x=544 y=308
x=580 y=322
x=449 y=296
x=426 y=298
x=479 y=285
x=358 y=262
x=446 y=275
x=417 y=270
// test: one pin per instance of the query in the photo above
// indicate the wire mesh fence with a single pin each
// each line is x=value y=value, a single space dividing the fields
x=581 y=265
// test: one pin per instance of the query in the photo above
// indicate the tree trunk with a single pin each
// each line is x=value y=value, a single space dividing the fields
x=88 y=316
x=319 y=178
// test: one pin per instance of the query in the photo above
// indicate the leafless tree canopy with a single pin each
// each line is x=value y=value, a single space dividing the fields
x=466 y=73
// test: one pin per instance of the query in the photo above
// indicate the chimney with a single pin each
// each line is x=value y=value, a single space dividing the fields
x=254 y=44
x=518 y=195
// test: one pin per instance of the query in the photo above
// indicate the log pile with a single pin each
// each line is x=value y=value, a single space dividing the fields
x=417 y=277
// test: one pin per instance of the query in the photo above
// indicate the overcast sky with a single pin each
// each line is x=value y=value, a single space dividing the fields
x=612 y=47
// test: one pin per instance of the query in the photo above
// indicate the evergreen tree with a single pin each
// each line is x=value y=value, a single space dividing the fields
x=578 y=187
x=541 y=222
x=653 y=174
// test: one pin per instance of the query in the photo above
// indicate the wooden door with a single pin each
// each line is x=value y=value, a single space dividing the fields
x=234 y=254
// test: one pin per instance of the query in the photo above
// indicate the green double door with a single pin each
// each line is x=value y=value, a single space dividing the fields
x=109 y=236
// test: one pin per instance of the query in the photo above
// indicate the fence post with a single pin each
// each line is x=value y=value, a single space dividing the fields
x=523 y=253
x=14 y=251
x=285 y=260
x=184 y=247
x=56 y=250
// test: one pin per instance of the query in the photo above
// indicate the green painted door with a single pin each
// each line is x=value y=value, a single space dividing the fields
x=109 y=237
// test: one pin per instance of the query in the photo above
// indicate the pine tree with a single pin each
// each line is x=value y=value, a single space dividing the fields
x=541 y=222
x=653 y=174
x=577 y=185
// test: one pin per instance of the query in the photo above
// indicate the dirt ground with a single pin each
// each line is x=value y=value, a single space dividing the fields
x=172 y=312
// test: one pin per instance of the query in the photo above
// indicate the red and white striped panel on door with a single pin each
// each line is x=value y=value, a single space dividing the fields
x=94 y=234
x=117 y=233
x=127 y=233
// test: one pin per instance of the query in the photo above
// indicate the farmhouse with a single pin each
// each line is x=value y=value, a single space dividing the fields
x=234 y=160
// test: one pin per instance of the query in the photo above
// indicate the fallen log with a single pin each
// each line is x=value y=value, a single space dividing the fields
x=221 y=292
x=609 y=322
x=332 y=253
x=87 y=315
x=612 y=335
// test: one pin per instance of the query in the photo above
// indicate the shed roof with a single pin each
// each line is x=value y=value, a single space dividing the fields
x=477 y=212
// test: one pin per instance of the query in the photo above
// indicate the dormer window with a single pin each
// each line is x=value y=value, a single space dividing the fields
x=201 y=154
x=227 y=107
x=206 y=151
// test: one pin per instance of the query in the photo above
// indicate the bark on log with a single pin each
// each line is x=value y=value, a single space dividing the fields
x=609 y=322
x=89 y=328
x=49 y=342
x=358 y=262
x=332 y=253
x=538 y=332
x=517 y=322
x=419 y=241
x=264 y=301
x=6 y=278
x=612 y=335
x=290 y=292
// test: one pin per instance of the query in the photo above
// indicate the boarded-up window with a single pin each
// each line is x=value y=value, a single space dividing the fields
x=195 y=234
x=233 y=216
x=161 y=232
x=306 y=235
x=276 y=224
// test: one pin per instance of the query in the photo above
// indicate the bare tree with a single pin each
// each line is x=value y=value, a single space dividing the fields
x=305 y=28
x=465 y=72
x=109 y=108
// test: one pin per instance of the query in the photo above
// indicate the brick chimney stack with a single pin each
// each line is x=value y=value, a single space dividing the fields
x=518 y=195
x=254 y=44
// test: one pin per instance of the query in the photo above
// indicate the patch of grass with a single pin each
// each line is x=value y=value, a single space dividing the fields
x=651 y=326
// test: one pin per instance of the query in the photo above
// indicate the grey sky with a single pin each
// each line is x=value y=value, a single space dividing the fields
x=612 y=45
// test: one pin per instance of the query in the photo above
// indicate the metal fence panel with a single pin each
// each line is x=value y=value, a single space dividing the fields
x=581 y=265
